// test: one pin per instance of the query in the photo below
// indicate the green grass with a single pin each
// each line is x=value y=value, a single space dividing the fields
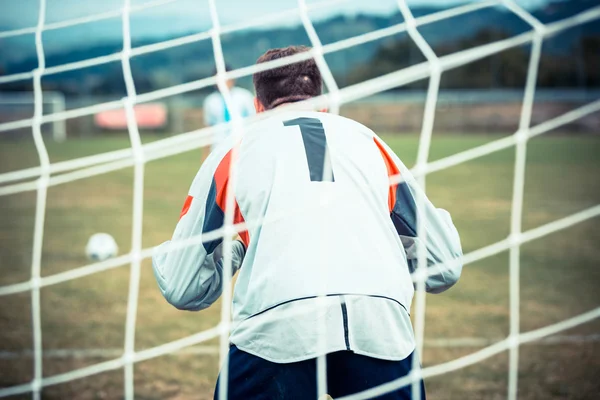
x=559 y=273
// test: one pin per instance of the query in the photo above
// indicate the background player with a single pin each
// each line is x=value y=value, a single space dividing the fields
x=344 y=231
x=216 y=111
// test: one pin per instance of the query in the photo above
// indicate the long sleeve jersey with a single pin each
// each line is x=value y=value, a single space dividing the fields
x=325 y=263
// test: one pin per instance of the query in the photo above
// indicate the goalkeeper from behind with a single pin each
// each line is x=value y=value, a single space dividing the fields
x=334 y=226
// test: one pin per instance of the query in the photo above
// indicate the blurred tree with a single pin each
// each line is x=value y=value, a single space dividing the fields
x=576 y=66
x=391 y=56
x=590 y=49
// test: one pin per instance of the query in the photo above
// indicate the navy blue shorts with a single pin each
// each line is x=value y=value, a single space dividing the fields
x=253 y=378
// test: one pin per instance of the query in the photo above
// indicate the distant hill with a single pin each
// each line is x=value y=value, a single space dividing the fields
x=193 y=61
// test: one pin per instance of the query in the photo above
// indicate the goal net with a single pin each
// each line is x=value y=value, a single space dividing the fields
x=48 y=174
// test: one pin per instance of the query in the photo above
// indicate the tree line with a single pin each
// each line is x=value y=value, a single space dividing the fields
x=576 y=66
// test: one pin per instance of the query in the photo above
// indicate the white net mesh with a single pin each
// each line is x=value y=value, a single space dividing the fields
x=49 y=174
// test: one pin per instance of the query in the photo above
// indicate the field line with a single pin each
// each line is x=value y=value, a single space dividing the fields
x=463 y=342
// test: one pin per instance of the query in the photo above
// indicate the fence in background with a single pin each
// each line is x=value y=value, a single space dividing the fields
x=470 y=111
x=458 y=111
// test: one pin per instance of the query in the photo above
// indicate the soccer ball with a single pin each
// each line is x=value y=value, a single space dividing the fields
x=101 y=246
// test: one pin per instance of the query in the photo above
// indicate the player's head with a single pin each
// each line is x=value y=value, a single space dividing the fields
x=287 y=84
x=230 y=82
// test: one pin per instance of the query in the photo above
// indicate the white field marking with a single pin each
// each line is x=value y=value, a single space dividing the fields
x=214 y=350
x=97 y=353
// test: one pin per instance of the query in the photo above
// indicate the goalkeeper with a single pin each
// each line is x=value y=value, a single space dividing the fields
x=334 y=226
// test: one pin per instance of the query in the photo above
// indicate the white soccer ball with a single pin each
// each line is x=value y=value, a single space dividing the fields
x=101 y=246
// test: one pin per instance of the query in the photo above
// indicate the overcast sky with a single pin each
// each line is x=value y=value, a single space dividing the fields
x=184 y=14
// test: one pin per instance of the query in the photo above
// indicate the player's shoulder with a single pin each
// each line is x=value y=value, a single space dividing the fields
x=329 y=121
x=213 y=98
x=335 y=120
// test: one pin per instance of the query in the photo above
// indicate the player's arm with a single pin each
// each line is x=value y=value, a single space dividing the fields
x=190 y=278
x=442 y=242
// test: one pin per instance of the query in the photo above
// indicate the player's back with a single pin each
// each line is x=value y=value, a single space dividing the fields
x=321 y=184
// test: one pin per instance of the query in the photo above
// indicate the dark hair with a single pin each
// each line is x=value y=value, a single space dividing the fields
x=290 y=83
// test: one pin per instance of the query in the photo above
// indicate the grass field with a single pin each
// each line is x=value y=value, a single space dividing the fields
x=560 y=275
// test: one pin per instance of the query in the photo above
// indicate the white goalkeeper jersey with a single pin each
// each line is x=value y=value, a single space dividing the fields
x=322 y=220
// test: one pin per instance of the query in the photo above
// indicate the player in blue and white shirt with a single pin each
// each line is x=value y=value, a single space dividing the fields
x=216 y=111
x=335 y=226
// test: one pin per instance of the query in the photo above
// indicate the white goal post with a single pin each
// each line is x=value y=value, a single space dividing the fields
x=48 y=174
x=53 y=99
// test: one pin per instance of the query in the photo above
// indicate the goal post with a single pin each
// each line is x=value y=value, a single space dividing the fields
x=52 y=101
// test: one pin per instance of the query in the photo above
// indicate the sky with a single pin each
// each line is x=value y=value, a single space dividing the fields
x=171 y=18
x=184 y=14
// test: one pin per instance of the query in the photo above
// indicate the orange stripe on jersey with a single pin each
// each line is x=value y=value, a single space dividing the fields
x=392 y=170
x=222 y=183
x=186 y=206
